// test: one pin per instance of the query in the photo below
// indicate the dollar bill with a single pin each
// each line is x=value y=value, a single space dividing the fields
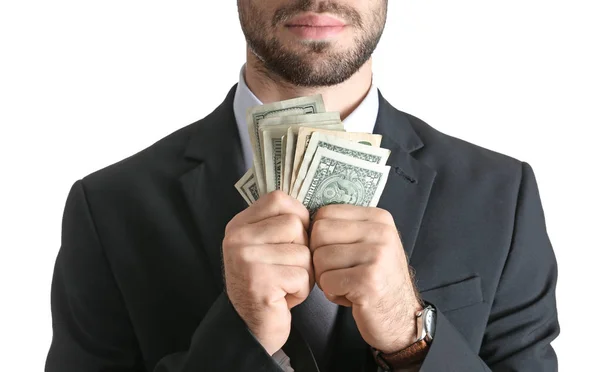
x=292 y=139
x=254 y=116
x=273 y=146
x=247 y=187
x=340 y=145
x=271 y=131
x=288 y=161
x=251 y=189
x=335 y=178
x=303 y=139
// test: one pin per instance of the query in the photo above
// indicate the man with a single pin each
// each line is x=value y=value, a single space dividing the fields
x=147 y=242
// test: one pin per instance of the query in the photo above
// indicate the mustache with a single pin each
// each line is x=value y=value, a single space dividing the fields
x=345 y=12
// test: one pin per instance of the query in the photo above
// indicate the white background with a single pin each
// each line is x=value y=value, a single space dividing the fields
x=85 y=84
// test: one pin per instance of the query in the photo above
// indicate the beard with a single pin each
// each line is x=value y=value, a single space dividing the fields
x=319 y=64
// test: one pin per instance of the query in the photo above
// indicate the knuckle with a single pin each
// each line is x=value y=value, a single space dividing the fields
x=384 y=215
x=228 y=242
x=277 y=197
x=319 y=227
x=247 y=254
x=242 y=235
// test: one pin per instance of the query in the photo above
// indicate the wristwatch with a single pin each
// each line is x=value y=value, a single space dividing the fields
x=414 y=354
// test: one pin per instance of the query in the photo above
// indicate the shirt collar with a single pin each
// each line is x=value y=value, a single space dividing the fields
x=242 y=101
x=363 y=118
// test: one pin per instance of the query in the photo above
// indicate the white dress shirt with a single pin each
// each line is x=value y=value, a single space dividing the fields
x=362 y=119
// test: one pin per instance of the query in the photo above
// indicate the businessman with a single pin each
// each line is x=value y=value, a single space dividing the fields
x=162 y=267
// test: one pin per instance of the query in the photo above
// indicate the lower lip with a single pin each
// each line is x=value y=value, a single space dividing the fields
x=315 y=32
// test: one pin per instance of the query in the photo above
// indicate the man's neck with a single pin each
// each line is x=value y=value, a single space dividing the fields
x=343 y=98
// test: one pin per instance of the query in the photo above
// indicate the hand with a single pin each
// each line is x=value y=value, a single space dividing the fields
x=268 y=266
x=359 y=261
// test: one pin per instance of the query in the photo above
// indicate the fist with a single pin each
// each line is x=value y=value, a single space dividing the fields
x=268 y=265
x=359 y=261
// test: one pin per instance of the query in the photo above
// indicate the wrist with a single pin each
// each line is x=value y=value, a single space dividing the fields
x=407 y=331
x=413 y=354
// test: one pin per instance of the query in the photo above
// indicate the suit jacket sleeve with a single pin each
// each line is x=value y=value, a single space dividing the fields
x=523 y=319
x=92 y=331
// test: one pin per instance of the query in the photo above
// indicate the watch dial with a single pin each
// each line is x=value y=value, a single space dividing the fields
x=430 y=323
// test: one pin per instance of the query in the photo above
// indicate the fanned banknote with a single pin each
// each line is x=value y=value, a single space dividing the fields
x=336 y=178
x=296 y=106
x=291 y=149
x=302 y=150
x=341 y=145
x=247 y=187
x=271 y=130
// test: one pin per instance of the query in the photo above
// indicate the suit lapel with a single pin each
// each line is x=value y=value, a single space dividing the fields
x=216 y=160
x=405 y=196
x=407 y=190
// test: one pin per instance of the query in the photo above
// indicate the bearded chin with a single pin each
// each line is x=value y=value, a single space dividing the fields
x=319 y=67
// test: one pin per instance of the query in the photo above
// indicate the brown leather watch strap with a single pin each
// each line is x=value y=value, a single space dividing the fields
x=403 y=359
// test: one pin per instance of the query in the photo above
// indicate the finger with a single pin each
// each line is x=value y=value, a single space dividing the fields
x=295 y=281
x=277 y=254
x=338 y=231
x=285 y=228
x=356 y=284
x=353 y=212
x=339 y=300
x=336 y=282
x=272 y=204
x=341 y=256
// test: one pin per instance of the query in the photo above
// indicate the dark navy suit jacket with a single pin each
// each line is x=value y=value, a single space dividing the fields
x=138 y=279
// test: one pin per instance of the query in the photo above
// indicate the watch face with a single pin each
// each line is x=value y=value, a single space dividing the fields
x=429 y=323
